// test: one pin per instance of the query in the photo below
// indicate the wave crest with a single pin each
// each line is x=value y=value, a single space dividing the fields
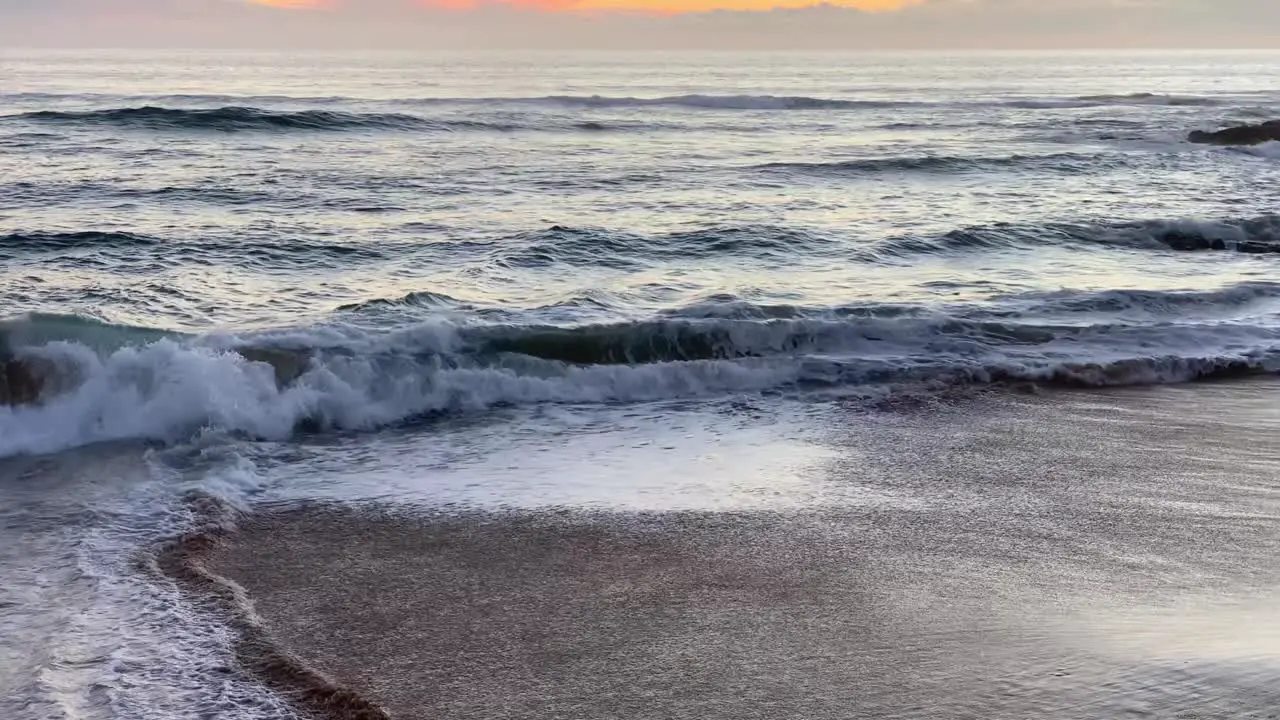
x=168 y=387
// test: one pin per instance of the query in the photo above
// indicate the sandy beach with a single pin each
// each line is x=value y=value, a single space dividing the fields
x=1090 y=554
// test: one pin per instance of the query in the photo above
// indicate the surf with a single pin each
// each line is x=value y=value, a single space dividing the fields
x=83 y=382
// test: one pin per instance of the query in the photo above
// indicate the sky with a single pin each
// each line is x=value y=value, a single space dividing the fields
x=656 y=24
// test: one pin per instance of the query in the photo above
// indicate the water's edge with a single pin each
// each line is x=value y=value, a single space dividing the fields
x=183 y=560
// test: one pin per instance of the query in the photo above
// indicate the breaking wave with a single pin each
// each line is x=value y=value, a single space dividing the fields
x=69 y=381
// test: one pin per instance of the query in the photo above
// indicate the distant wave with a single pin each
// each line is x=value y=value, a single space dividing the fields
x=938 y=164
x=46 y=241
x=725 y=102
x=801 y=102
x=568 y=246
x=425 y=299
x=151 y=99
x=1146 y=98
x=1094 y=101
x=603 y=247
x=709 y=101
x=95 y=247
x=152 y=385
x=722 y=100
x=239 y=119
x=1070 y=307
x=1259 y=236
x=1137 y=305
x=556 y=245
x=591 y=246
x=224 y=119
x=1064 y=307
x=582 y=246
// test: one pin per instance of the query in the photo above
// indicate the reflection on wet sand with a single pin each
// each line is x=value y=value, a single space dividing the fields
x=1077 y=555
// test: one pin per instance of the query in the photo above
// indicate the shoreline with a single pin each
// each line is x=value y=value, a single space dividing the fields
x=1029 y=556
x=184 y=561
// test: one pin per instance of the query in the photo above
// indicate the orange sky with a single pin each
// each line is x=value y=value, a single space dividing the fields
x=293 y=4
x=641 y=24
x=656 y=6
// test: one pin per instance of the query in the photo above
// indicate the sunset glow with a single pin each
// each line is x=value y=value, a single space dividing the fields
x=685 y=6
x=292 y=4
x=652 y=6
x=643 y=24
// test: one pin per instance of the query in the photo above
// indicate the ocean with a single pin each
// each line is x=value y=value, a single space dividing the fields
x=612 y=283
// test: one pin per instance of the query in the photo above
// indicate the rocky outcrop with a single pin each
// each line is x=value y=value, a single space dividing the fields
x=1239 y=135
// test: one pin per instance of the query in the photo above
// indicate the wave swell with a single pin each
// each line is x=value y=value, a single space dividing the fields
x=602 y=247
x=225 y=119
x=1065 y=162
x=1255 y=236
x=1147 y=98
x=710 y=101
x=16 y=243
x=233 y=118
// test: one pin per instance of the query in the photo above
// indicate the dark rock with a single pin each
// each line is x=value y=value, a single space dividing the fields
x=28 y=380
x=288 y=365
x=24 y=381
x=1239 y=135
x=1192 y=241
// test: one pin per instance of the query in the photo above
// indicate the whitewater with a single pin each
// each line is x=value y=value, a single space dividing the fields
x=280 y=278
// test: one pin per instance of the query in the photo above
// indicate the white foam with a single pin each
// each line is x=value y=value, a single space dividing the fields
x=1269 y=150
x=85 y=634
x=157 y=391
x=170 y=390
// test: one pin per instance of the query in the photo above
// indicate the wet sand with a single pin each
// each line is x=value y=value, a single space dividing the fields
x=1077 y=555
